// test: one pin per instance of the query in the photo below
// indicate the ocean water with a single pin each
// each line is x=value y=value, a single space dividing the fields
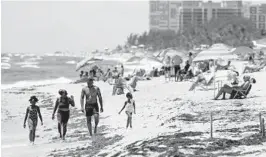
x=26 y=71
x=20 y=71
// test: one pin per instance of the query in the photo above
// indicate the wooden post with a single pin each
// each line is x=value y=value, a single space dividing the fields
x=263 y=128
x=214 y=88
x=218 y=86
x=260 y=123
x=211 y=126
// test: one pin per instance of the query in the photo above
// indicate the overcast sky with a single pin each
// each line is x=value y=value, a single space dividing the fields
x=45 y=27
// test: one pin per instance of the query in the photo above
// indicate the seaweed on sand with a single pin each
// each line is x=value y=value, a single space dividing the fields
x=166 y=145
x=221 y=144
x=188 y=118
x=179 y=145
x=90 y=150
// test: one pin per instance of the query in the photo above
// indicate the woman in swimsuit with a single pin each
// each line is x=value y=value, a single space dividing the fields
x=32 y=113
x=62 y=104
x=130 y=108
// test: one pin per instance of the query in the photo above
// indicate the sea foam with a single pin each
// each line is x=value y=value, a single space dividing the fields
x=30 y=66
x=20 y=84
x=5 y=66
x=71 y=62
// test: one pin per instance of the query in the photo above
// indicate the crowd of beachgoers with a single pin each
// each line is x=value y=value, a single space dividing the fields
x=135 y=92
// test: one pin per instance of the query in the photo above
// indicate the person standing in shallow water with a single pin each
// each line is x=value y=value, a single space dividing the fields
x=32 y=113
x=91 y=93
x=130 y=108
x=62 y=104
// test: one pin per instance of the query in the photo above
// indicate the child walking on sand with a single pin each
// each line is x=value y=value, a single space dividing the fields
x=130 y=108
x=32 y=113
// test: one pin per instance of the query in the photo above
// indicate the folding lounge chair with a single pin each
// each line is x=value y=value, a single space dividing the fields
x=207 y=85
x=238 y=94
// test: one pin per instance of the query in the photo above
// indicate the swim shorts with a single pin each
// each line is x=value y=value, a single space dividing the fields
x=91 y=109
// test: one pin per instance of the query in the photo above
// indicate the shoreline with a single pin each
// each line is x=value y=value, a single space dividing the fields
x=172 y=116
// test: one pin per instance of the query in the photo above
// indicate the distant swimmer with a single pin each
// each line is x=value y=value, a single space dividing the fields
x=91 y=93
x=130 y=108
x=32 y=113
x=62 y=106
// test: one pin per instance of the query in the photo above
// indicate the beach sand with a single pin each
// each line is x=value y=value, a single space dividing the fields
x=169 y=121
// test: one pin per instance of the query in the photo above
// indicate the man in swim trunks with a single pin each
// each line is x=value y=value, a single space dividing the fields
x=91 y=93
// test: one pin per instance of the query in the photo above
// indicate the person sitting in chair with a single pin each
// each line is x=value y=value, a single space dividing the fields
x=252 y=67
x=186 y=72
x=203 y=79
x=228 y=89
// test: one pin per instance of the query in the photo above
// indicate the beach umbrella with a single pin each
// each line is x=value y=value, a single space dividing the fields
x=260 y=42
x=148 y=63
x=176 y=56
x=134 y=59
x=102 y=64
x=86 y=61
x=134 y=47
x=214 y=55
x=220 y=46
x=242 y=51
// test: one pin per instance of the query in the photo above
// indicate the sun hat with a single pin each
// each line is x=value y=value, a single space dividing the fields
x=33 y=98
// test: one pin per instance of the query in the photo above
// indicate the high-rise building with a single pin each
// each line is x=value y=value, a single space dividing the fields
x=176 y=15
x=257 y=14
x=203 y=13
x=163 y=15
x=232 y=4
x=245 y=9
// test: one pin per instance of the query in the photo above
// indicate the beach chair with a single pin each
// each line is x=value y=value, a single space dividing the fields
x=239 y=94
x=205 y=86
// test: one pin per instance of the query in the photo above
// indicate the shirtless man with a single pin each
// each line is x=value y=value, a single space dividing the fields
x=91 y=106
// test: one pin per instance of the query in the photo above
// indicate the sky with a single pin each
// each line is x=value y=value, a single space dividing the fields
x=49 y=26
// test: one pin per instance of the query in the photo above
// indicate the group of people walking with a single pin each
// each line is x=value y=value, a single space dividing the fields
x=90 y=107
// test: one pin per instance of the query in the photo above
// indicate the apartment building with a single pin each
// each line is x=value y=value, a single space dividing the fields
x=163 y=15
x=176 y=15
x=203 y=13
x=257 y=14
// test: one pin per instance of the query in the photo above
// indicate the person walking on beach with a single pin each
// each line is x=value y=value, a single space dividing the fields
x=62 y=106
x=167 y=68
x=32 y=113
x=190 y=58
x=122 y=71
x=176 y=61
x=130 y=108
x=91 y=93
